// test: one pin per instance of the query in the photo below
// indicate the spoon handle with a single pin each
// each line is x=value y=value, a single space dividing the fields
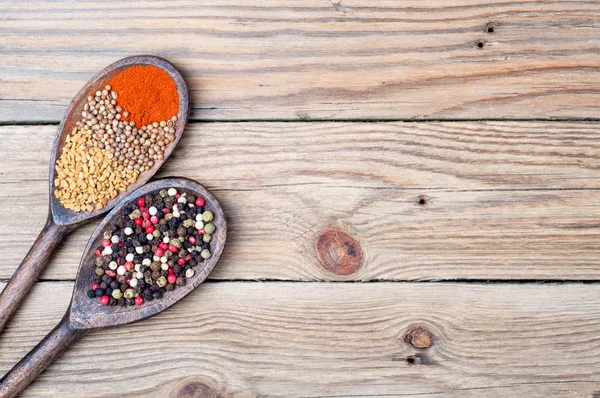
x=26 y=274
x=39 y=358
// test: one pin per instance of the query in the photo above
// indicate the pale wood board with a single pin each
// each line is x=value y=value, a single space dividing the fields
x=315 y=59
x=323 y=339
x=505 y=200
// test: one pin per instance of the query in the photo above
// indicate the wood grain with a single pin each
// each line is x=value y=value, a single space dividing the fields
x=316 y=59
x=324 y=340
x=500 y=200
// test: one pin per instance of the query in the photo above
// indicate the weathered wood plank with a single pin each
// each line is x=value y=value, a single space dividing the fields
x=320 y=339
x=316 y=59
x=501 y=200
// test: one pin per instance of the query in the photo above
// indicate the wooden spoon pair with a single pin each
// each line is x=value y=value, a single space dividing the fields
x=61 y=220
x=84 y=314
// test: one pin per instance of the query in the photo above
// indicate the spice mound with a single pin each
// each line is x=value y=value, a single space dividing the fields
x=154 y=246
x=117 y=138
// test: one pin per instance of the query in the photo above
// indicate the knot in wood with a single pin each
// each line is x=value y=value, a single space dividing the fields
x=338 y=252
x=194 y=389
x=418 y=338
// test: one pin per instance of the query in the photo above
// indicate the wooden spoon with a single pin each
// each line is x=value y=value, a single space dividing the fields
x=85 y=314
x=61 y=220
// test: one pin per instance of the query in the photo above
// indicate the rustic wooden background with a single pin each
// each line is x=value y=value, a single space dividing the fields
x=389 y=168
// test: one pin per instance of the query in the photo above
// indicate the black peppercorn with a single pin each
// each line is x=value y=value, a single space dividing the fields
x=108 y=291
x=122 y=301
x=142 y=239
x=206 y=245
x=112 y=301
x=114 y=285
x=130 y=301
x=131 y=224
x=100 y=292
x=91 y=294
x=158 y=294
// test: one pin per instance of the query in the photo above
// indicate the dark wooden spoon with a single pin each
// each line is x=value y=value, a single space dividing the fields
x=61 y=220
x=85 y=314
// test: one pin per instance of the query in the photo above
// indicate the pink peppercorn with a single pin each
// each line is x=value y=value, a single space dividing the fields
x=110 y=273
x=192 y=240
x=188 y=257
x=166 y=211
x=163 y=245
x=149 y=229
x=173 y=248
x=138 y=221
x=139 y=301
x=145 y=213
x=98 y=253
x=159 y=252
x=141 y=202
x=154 y=220
x=146 y=223
x=95 y=286
x=106 y=243
x=104 y=300
x=200 y=202
x=181 y=261
x=202 y=231
x=177 y=196
x=128 y=266
x=171 y=278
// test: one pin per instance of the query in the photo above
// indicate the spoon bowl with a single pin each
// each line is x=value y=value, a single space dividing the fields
x=85 y=314
x=61 y=220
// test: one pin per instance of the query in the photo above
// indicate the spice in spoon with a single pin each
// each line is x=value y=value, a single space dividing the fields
x=117 y=138
x=153 y=247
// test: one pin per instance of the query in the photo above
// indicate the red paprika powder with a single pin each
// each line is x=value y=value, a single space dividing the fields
x=148 y=93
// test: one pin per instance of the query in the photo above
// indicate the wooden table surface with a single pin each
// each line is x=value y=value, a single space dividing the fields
x=389 y=169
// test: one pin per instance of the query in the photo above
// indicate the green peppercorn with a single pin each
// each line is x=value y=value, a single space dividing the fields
x=176 y=243
x=188 y=223
x=117 y=294
x=148 y=280
x=207 y=216
x=135 y=214
x=209 y=228
x=168 y=254
x=107 y=235
x=163 y=193
x=162 y=281
x=156 y=233
x=129 y=293
x=207 y=237
x=168 y=216
x=205 y=254
x=99 y=261
x=99 y=271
